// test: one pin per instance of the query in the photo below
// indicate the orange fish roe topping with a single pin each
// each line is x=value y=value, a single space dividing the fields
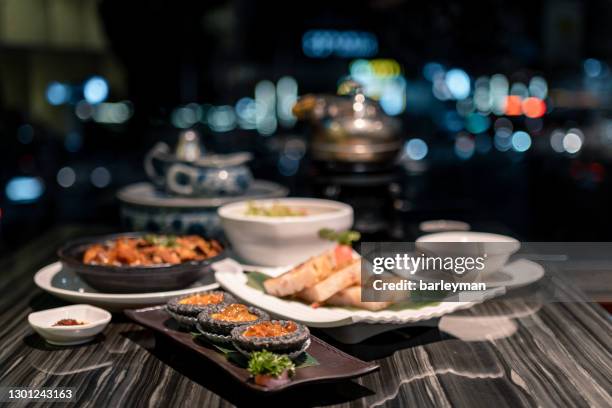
x=203 y=299
x=270 y=329
x=235 y=313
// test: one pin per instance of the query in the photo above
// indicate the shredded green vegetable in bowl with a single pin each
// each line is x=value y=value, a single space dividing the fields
x=267 y=363
x=163 y=240
x=274 y=210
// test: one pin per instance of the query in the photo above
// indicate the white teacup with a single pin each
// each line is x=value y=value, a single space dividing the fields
x=492 y=249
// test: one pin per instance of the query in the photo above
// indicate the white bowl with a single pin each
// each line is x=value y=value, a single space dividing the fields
x=42 y=322
x=281 y=241
x=496 y=249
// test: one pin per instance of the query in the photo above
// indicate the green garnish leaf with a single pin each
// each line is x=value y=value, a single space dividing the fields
x=162 y=240
x=343 y=238
x=232 y=355
x=267 y=363
x=256 y=279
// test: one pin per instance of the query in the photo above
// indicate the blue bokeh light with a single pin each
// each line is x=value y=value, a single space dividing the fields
x=477 y=123
x=24 y=189
x=452 y=121
x=592 y=67
x=521 y=141
x=95 y=90
x=416 y=149
x=458 y=83
x=431 y=70
x=346 y=44
x=57 y=93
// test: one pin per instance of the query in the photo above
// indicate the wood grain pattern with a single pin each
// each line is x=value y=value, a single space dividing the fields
x=555 y=355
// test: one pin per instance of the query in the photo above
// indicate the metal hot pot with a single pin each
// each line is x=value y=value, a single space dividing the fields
x=350 y=130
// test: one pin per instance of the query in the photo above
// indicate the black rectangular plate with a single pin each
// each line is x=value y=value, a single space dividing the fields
x=333 y=364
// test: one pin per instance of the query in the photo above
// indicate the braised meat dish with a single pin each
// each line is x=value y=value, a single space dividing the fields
x=151 y=250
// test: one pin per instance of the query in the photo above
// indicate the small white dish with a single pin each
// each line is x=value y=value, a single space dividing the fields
x=494 y=248
x=279 y=241
x=95 y=319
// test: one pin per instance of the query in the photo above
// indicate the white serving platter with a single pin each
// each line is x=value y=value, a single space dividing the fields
x=66 y=285
x=232 y=278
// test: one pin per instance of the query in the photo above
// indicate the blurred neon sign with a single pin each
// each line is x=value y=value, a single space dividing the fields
x=346 y=44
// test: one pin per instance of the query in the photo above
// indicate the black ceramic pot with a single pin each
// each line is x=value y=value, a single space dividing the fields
x=132 y=279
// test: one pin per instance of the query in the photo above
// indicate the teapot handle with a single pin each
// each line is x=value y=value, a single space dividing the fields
x=157 y=150
x=180 y=169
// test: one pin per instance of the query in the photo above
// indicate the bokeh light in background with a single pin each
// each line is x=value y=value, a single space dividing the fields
x=95 y=90
x=458 y=83
x=572 y=141
x=265 y=108
x=66 y=177
x=416 y=149
x=592 y=67
x=431 y=70
x=221 y=118
x=84 y=110
x=521 y=141
x=464 y=146
x=533 y=107
x=58 y=93
x=477 y=123
x=482 y=95
x=286 y=95
x=499 y=87
x=556 y=140
x=246 y=113
x=503 y=139
x=538 y=87
x=111 y=113
x=382 y=80
x=24 y=190
x=100 y=177
x=513 y=105
x=347 y=44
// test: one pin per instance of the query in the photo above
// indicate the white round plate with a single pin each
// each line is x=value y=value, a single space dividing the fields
x=519 y=273
x=67 y=285
x=234 y=281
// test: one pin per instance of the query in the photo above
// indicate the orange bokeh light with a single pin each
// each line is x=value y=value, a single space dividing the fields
x=513 y=105
x=534 y=107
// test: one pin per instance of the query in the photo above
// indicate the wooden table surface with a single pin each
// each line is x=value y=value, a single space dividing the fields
x=513 y=353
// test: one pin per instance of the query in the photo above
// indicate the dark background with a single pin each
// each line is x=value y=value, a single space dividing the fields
x=160 y=56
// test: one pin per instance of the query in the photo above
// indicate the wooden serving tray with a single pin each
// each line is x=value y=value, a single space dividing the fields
x=333 y=364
